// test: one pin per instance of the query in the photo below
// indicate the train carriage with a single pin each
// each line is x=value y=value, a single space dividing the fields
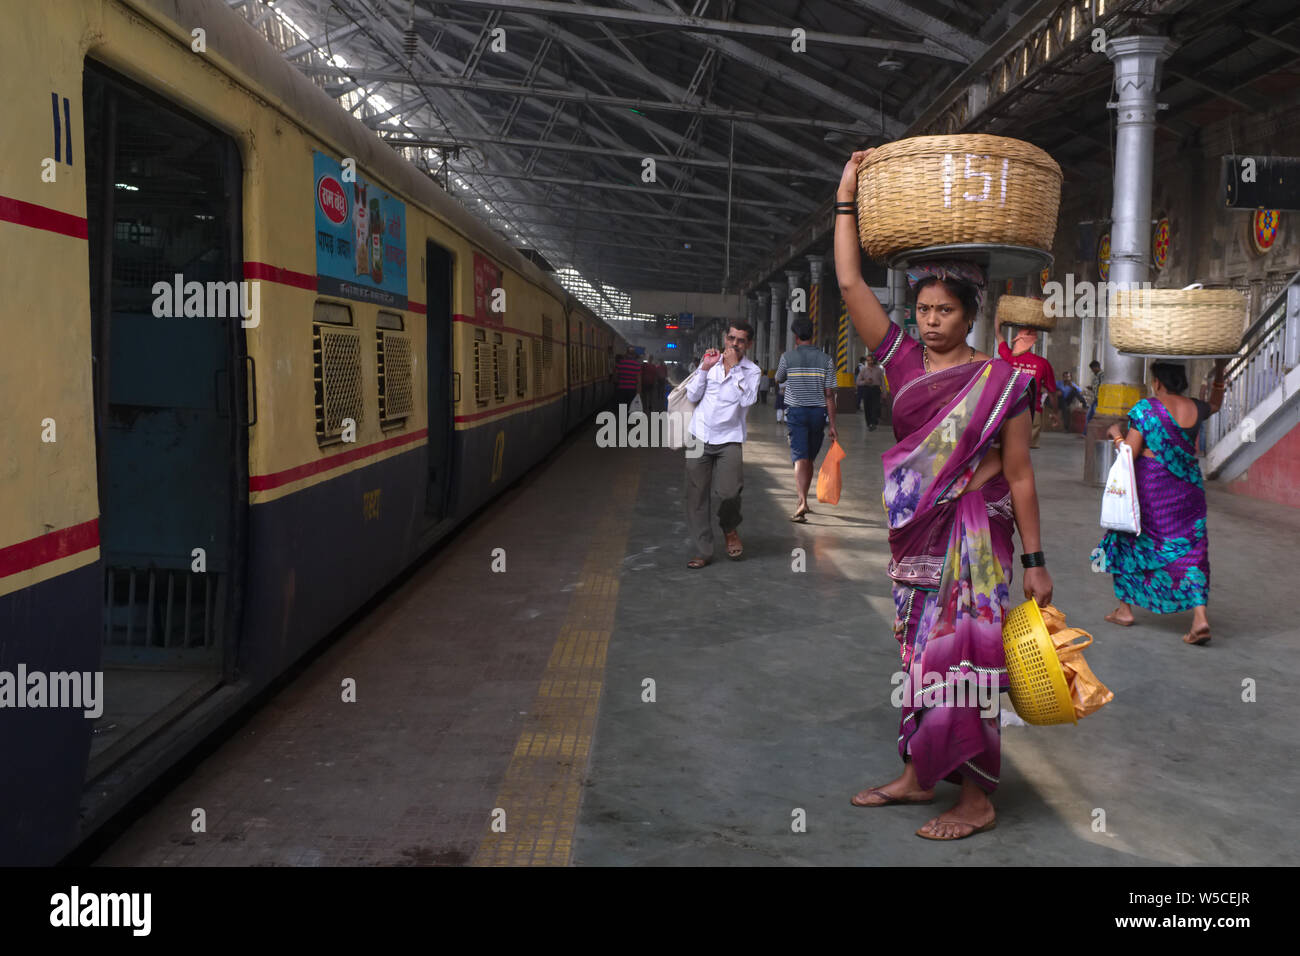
x=255 y=365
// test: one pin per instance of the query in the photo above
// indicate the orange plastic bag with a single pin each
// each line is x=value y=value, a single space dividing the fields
x=828 y=479
x=1088 y=694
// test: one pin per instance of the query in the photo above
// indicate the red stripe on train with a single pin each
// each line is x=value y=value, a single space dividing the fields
x=270 y=273
x=276 y=479
x=42 y=217
x=49 y=547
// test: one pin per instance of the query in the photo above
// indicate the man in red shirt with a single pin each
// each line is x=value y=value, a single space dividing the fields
x=1020 y=355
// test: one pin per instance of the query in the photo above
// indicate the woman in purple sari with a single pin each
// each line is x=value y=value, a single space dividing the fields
x=1166 y=568
x=956 y=485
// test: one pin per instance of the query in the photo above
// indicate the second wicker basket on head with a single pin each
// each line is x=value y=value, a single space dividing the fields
x=966 y=188
x=1019 y=310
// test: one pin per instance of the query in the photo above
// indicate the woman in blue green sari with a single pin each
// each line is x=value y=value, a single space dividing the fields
x=1166 y=568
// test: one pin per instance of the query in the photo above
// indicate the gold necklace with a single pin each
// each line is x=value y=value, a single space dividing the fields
x=925 y=357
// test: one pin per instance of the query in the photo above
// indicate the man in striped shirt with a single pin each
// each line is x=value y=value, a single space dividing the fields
x=809 y=377
x=627 y=377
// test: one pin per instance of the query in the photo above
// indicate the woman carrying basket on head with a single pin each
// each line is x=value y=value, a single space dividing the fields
x=957 y=483
x=1166 y=568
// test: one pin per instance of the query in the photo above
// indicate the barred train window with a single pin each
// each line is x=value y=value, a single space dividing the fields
x=500 y=373
x=521 y=368
x=548 y=342
x=482 y=388
x=336 y=366
x=394 y=367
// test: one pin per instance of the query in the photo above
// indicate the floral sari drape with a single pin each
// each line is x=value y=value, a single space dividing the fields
x=951 y=560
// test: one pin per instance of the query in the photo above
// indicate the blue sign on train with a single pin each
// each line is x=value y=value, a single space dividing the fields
x=360 y=237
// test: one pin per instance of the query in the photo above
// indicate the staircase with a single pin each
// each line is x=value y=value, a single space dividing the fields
x=1261 y=399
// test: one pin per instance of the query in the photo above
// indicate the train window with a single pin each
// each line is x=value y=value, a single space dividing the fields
x=390 y=320
x=537 y=364
x=548 y=342
x=394 y=367
x=521 y=368
x=500 y=373
x=482 y=387
x=332 y=312
x=336 y=357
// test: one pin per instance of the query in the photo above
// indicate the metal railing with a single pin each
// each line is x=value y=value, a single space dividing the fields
x=1270 y=348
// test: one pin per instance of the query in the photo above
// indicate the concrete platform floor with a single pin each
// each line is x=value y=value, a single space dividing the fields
x=477 y=696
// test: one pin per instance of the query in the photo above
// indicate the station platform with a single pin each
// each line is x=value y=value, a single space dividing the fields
x=500 y=716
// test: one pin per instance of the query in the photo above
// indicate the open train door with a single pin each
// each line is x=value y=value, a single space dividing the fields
x=168 y=314
x=443 y=388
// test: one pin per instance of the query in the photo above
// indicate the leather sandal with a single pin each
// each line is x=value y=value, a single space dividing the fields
x=889 y=799
x=696 y=563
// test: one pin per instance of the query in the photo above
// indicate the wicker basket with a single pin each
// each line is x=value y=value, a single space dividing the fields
x=969 y=188
x=1178 y=321
x=1018 y=310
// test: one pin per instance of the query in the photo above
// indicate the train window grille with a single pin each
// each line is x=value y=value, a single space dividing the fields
x=336 y=354
x=396 y=400
x=155 y=614
x=521 y=369
x=482 y=387
x=548 y=342
x=537 y=362
x=500 y=371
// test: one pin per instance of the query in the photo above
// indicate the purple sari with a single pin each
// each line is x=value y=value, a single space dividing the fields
x=951 y=556
x=1166 y=568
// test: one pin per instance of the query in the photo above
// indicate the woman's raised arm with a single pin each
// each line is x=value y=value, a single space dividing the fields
x=868 y=316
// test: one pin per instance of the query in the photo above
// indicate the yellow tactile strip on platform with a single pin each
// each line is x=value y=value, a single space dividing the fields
x=542 y=789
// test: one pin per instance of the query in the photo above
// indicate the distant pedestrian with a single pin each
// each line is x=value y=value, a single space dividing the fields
x=809 y=377
x=649 y=379
x=725 y=386
x=1166 y=568
x=764 y=386
x=779 y=404
x=1094 y=387
x=861 y=393
x=627 y=377
x=871 y=377
x=1020 y=354
x=1070 y=393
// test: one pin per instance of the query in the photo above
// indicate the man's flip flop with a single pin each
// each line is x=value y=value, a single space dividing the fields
x=735 y=551
x=696 y=563
x=974 y=830
x=890 y=799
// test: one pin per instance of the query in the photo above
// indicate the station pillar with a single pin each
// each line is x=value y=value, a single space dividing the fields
x=1137 y=61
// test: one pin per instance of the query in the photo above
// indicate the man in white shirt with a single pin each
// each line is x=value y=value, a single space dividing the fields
x=724 y=385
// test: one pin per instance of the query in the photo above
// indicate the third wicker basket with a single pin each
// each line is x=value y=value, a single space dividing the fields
x=1019 y=310
x=966 y=188
x=1178 y=321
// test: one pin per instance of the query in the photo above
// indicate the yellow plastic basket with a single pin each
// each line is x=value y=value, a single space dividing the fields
x=1038 y=688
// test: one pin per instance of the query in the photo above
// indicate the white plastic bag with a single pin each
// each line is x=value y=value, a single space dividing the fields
x=635 y=407
x=680 y=412
x=1119 y=502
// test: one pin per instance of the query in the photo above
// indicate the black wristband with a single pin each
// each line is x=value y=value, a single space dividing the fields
x=1033 y=560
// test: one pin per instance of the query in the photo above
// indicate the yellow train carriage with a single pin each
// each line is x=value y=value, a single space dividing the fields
x=243 y=390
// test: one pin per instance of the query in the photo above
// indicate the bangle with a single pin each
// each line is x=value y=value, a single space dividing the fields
x=846 y=212
x=1034 y=560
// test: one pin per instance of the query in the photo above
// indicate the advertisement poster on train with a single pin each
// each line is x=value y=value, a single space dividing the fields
x=487 y=278
x=360 y=237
